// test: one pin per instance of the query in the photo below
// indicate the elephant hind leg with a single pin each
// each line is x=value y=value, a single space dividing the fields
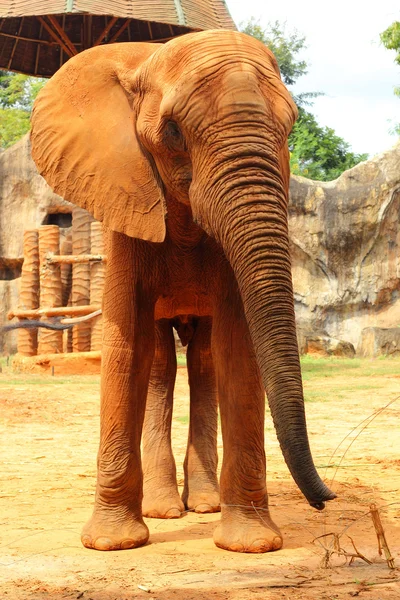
x=201 y=490
x=161 y=498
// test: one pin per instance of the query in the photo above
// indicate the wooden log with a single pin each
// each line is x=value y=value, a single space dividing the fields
x=50 y=287
x=97 y=275
x=71 y=259
x=61 y=311
x=81 y=221
x=29 y=291
x=66 y=280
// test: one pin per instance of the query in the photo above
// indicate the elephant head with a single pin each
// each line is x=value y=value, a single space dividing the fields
x=204 y=119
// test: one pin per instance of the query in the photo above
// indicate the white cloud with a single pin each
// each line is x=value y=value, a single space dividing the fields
x=346 y=61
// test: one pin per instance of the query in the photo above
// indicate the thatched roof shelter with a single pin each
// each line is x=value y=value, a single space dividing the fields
x=38 y=36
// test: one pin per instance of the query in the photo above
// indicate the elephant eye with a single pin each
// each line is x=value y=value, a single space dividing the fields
x=173 y=136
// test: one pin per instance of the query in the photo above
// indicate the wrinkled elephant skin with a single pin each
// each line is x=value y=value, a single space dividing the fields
x=181 y=150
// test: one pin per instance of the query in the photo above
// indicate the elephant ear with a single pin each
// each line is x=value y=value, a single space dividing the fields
x=84 y=141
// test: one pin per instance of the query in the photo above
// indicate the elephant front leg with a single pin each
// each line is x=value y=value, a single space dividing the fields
x=161 y=497
x=127 y=356
x=201 y=490
x=246 y=525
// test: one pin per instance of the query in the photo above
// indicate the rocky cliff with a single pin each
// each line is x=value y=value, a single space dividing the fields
x=345 y=238
x=345 y=241
x=26 y=202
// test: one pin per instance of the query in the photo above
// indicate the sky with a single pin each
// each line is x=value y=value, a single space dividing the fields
x=345 y=60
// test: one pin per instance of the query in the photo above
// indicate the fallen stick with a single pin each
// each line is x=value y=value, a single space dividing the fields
x=380 y=534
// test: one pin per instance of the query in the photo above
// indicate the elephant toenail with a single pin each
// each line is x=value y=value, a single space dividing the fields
x=277 y=543
x=127 y=544
x=103 y=543
x=87 y=541
x=203 y=508
x=173 y=513
x=236 y=547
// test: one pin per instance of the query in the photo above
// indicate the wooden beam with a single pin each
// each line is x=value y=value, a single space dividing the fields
x=55 y=36
x=15 y=44
x=38 y=51
x=71 y=259
x=120 y=30
x=57 y=311
x=161 y=40
x=25 y=39
x=62 y=34
x=105 y=31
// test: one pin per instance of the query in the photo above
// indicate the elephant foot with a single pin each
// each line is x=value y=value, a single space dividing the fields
x=248 y=535
x=114 y=529
x=203 y=502
x=167 y=505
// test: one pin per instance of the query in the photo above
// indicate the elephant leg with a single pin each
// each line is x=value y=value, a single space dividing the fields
x=201 y=490
x=127 y=356
x=245 y=525
x=161 y=498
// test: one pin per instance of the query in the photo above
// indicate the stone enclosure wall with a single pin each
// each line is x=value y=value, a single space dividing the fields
x=345 y=245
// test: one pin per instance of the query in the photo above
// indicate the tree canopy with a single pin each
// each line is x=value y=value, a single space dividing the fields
x=391 y=40
x=17 y=93
x=316 y=152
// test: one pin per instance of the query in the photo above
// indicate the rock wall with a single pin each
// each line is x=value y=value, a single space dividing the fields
x=345 y=238
x=26 y=201
x=345 y=241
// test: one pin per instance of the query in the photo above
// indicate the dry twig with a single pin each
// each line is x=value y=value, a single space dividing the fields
x=380 y=534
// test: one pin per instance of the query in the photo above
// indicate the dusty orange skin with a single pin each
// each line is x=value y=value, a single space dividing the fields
x=181 y=150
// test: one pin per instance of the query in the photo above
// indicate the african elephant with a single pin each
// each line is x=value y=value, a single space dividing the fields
x=181 y=150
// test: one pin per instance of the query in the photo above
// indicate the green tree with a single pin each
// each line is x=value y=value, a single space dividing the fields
x=316 y=151
x=17 y=93
x=391 y=40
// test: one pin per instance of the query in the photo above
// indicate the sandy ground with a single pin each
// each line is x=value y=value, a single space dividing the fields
x=48 y=444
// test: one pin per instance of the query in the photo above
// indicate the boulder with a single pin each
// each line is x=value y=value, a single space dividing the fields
x=321 y=344
x=377 y=341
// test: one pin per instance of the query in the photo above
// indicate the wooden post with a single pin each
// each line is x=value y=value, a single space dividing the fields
x=81 y=276
x=97 y=274
x=50 y=287
x=66 y=280
x=29 y=291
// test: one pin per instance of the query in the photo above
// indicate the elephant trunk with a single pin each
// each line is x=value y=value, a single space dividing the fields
x=246 y=213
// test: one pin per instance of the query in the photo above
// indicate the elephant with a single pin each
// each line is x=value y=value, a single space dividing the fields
x=181 y=151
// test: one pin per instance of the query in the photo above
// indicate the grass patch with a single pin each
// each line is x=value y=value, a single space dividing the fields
x=183 y=419
x=312 y=367
x=181 y=360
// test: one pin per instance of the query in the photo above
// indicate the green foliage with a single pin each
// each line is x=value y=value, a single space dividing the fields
x=17 y=94
x=316 y=151
x=391 y=40
x=14 y=123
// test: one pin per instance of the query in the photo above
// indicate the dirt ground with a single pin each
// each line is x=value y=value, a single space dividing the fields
x=49 y=430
